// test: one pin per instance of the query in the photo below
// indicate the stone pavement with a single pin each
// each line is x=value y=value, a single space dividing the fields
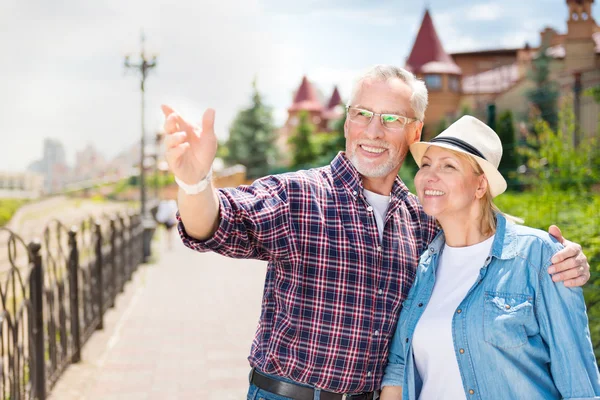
x=181 y=330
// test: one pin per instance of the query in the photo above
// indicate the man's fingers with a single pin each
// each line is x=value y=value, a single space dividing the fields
x=176 y=152
x=175 y=139
x=208 y=121
x=166 y=110
x=555 y=231
x=570 y=250
x=579 y=281
x=569 y=273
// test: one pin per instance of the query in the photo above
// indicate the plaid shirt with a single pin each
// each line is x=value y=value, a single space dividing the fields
x=333 y=290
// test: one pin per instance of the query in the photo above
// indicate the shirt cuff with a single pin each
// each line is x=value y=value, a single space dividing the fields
x=394 y=375
x=226 y=217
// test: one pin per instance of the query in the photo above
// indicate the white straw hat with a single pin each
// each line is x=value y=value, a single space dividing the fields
x=470 y=136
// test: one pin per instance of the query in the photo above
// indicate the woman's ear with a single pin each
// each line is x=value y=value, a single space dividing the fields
x=482 y=187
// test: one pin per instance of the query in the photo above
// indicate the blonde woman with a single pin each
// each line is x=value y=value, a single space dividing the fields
x=483 y=319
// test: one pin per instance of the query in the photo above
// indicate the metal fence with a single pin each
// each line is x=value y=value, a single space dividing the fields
x=54 y=294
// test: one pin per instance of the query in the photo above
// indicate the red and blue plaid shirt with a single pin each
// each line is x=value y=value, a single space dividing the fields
x=333 y=290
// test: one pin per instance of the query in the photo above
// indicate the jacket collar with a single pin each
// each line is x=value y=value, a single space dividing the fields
x=504 y=246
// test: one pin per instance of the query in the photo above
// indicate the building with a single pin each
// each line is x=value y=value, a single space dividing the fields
x=21 y=185
x=473 y=80
x=321 y=115
x=53 y=166
x=476 y=79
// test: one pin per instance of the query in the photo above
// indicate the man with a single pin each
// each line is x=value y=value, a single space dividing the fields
x=342 y=242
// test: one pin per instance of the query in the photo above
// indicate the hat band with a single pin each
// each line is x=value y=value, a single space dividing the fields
x=461 y=144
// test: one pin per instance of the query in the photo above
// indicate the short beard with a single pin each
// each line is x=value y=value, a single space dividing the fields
x=379 y=171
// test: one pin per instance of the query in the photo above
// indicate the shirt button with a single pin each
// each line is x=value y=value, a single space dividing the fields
x=376 y=333
x=471 y=391
x=420 y=304
x=379 y=248
x=462 y=351
x=458 y=311
x=354 y=193
x=380 y=291
x=369 y=373
x=507 y=306
x=406 y=340
x=369 y=209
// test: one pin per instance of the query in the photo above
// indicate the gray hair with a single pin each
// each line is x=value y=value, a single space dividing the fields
x=418 y=98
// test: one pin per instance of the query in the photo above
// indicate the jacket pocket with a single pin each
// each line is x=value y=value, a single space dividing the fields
x=504 y=319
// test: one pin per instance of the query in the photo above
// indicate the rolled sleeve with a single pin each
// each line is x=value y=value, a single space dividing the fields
x=253 y=222
x=221 y=234
x=394 y=375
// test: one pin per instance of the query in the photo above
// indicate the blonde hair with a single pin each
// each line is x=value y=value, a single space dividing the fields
x=488 y=208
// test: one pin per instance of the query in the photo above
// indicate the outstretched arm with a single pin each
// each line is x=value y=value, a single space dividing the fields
x=190 y=152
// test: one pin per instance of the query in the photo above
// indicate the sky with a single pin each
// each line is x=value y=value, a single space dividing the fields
x=62 y=74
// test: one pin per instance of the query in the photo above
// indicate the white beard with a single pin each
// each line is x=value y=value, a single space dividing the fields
x=377 y=171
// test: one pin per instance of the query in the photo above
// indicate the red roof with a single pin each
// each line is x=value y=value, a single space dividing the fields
x=428 y=54
x=335 y=100
x=306 y=98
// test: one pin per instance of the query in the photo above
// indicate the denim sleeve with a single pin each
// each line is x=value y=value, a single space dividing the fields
x=394 y=371
x=254 y=222
x=563 y=321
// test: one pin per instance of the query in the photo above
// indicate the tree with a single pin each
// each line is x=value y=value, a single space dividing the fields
x=252 y=138
x=510 y=157
x=553 y=161
x=302 y=144
x=545 y=94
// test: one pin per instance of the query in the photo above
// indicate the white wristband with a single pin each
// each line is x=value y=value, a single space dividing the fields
x=196 y=188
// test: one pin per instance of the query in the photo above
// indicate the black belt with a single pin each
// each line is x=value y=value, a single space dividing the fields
x=297 y=392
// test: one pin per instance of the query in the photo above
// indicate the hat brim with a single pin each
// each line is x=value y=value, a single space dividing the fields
x=495 y=179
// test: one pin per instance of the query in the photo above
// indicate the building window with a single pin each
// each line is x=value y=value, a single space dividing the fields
x=454 y=83
x=433 y=82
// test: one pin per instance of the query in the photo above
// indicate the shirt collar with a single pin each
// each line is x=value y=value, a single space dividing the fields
x=343 y=171
x=504 y=246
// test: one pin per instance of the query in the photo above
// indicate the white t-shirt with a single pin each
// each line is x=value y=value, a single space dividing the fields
x=167 y=211
x=380 y=205
x=457 y=271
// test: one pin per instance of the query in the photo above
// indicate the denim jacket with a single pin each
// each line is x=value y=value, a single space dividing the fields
x=516 y=334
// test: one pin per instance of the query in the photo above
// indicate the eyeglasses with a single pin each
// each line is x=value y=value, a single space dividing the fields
x=390 y=121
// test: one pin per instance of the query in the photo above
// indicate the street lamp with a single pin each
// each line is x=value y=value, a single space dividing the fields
x=143 y=66
x=157 y=142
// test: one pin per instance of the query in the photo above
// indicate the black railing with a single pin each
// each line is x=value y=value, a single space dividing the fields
x=54 y=295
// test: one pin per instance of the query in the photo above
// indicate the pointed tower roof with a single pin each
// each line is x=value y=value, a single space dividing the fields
x=428 y=54
x=335 y=100
x=306 y=98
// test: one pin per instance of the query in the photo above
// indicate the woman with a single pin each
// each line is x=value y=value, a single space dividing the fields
x=483 y=319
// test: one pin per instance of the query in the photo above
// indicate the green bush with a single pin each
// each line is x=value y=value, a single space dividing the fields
x=7 y=209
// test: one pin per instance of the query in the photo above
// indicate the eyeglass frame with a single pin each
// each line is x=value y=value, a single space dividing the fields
x=408 y=119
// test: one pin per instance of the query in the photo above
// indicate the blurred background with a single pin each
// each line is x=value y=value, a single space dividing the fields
x=81 y=84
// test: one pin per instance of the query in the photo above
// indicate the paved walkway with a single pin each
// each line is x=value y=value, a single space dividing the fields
x=182 y=330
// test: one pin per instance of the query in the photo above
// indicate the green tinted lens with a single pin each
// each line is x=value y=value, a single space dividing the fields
x=389 y=118
x=365 y=113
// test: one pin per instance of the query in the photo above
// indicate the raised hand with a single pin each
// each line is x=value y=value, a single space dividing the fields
x=190 y=151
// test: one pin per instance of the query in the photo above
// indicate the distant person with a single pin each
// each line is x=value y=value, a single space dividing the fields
x=342 y=242
x=167 y=216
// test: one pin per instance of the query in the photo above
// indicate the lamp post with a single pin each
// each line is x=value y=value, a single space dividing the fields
x=158 y=140
x=144 y=65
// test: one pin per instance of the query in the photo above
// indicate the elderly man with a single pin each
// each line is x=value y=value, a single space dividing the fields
x=342 y=242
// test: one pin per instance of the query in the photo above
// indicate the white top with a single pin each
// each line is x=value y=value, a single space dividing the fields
x=380 y=205
x=167 y=211
x=433 y=347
